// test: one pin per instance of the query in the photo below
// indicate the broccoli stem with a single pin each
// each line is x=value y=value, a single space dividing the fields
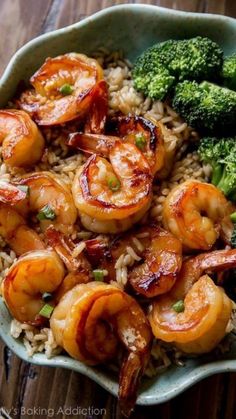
x=225 y=184
x=216 y=174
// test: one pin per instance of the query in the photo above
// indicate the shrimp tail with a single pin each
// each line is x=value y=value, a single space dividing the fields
x=131 y=372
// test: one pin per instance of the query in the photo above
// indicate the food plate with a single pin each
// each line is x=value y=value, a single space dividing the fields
x=131 y=28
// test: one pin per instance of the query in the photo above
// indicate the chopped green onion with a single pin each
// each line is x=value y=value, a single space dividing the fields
x=113 y=183
x=66 y=89
x=233 y=217
x=98 y=275
x=178 y=306
x=46 y=213
x=47 y=296
x=46 y=311
x=24 y=188
x=140 y=141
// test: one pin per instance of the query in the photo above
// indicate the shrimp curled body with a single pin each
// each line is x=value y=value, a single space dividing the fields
x=28 y=278
x=48 y=189
x=197 y=213
x=87 y=321
x=103 y=209
x=207 y=309
x=47 y=105
x=22 y=142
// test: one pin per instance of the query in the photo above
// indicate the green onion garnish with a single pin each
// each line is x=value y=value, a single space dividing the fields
x=140 y=141
x=233 y=217
x=46 y=213
x=98 y=275
x=178 y=306
x=46 y=311
x=24 y=188
x=113 y=183
x=47 y=296
x=66 y=89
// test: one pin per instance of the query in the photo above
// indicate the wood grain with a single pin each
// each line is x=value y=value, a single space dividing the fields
x=24 y=386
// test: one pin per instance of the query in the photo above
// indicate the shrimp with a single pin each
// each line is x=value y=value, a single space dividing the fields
x=79 y=268
x=50 y=104
x=50 y=197
x=134 y=130
x=28 y=278
x=16 y=233
x=197 y=213
x=87 y=322
x=162 y=260
x=13 y=226
x=22 y=142
x=202 y=324
x=111 y=196
x=159 y=254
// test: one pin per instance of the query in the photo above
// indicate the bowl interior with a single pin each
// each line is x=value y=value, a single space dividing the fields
x=131 y=29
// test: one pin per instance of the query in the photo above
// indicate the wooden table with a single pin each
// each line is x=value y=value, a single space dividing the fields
x=24 y=386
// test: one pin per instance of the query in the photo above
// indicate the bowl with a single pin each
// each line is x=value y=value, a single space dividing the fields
x=131 y=28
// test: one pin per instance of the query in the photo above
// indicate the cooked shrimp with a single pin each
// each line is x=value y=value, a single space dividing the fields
x=162 y=260
x=13 y=226
x=86 y=323
x=22 y=142
x=206 y=310
x=64 y=89
x=51 y=199
x=28 y=278
x=159 y=254
x=16 y=233
x=146 y=135
x=79 y=268
x=136 y=130
x=197 y=213
x=111 y=196
x=97 y=115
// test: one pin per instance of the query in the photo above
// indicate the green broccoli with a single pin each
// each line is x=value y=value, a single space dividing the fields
x=155 y=84
x=221 y=155
x=197 y=59
x=160 y=67
x=229 y=72
x=206 y=107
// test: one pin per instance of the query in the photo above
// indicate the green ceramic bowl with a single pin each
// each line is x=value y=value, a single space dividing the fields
x=131 y=28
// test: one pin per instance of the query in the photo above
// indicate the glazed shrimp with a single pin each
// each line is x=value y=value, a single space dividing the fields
x=86 y=323
x=51 y=199
x=22 y=142
x=16 y=233
x=162 y=260
x=28 y=278
x=141 y=132
x=111 y=196
x=197 y=213
x=79 y=269
x=13 y=226
x=159 y=254
x=64 y=89
x=202 y=322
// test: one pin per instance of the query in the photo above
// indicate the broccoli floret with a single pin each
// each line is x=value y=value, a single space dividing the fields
x=221 y=155
x=155 y=84
x=229 y=72
x=161 y=66
x=197 y=59
x=206 y=107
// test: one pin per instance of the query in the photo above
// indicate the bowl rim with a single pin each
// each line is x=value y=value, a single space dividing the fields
x=100 y=14
x=193 y=376
x=199 y=372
